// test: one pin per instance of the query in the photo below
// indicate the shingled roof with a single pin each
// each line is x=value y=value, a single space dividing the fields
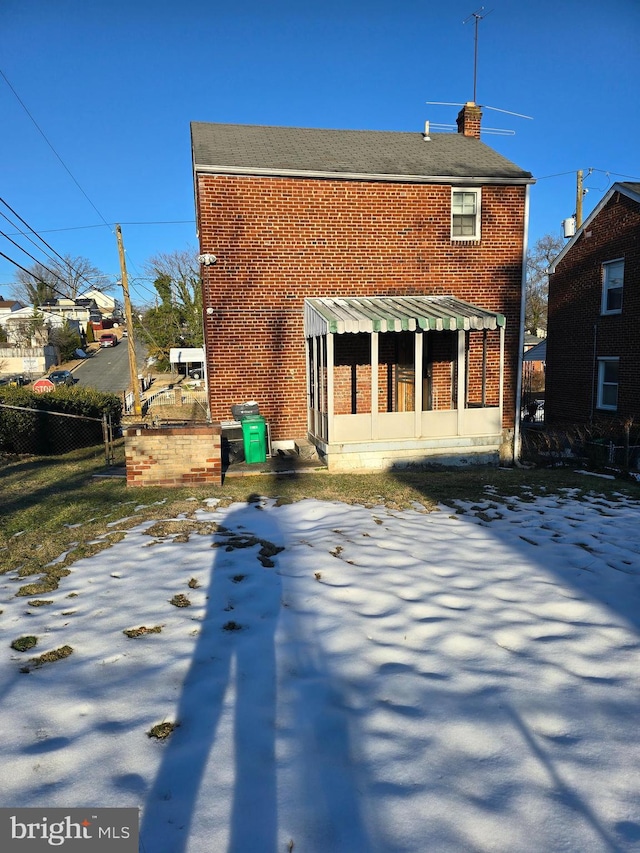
x=360 y=154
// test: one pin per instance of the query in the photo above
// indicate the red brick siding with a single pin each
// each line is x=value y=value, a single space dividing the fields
x=578 y=333
x=280 y=240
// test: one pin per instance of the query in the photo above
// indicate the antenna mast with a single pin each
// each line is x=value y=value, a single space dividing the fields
x=477 y=17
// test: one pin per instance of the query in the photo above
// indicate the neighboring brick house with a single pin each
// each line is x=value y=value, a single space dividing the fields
x=593 y=343
x=367 y=289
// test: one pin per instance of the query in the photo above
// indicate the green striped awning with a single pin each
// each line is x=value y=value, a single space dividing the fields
x=337 y=316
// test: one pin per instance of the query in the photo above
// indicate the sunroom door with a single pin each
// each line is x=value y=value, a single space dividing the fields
x=405 y=372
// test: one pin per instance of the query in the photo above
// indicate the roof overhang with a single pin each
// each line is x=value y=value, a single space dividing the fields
x=536 y=353
x=453 y=180
x=186 y=355
x=338 y=316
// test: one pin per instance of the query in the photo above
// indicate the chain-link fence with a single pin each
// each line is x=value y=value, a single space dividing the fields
x=39 y=432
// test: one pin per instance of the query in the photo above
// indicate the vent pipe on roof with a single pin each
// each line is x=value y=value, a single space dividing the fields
x=425 y=135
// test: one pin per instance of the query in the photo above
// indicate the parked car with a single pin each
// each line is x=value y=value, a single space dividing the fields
x=108 y=340
x=125 y=333
x=61 y=377
x=17 y=381
x=196 y=372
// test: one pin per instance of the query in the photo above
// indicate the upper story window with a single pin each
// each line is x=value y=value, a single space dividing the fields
x=465 y=214
x=608 y=383
x=612 y=280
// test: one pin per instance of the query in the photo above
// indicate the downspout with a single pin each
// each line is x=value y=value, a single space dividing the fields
x=593 y=371
x=523 y=296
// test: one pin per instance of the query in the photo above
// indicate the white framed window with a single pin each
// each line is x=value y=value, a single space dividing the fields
x=608 y=383
x=612 y=282
x=465 y=214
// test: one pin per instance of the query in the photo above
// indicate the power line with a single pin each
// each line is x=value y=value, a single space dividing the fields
x=44 y=136
x=74 y=228
x=86 y=227
x=78 y=273
x=16 y=264
x=604 y=172
x=164 y=222
x=22 y=233
x=52 y=287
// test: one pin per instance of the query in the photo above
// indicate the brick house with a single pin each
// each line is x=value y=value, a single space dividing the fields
x=367 y=288
x=593 y=349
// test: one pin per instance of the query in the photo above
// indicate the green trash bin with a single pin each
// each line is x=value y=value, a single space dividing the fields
x=254 y=436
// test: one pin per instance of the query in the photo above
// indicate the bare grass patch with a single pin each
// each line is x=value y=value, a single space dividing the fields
x=141 y=631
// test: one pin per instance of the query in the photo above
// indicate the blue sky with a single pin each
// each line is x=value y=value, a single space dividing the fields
x=114 y=85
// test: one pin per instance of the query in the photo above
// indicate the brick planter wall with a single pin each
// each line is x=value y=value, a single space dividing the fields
x=176 y=456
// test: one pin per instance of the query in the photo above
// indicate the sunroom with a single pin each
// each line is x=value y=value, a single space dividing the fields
x=403 y=380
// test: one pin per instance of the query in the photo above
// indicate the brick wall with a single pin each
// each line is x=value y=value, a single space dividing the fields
x=280 y=240
x=177 y=456
x=577 y=332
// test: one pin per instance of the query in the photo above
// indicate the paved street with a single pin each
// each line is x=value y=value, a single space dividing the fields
x=108 y=369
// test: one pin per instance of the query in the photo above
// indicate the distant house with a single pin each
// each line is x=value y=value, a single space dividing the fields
x=72 y=311
x=108 y=306
x=8 y=306
x=29 y=326
x=366 y=288
x=533 y=365
x=593 y=349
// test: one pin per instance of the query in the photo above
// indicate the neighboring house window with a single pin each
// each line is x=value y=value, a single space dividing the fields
x=465 y=214
x=612 y=279
x=608 y=383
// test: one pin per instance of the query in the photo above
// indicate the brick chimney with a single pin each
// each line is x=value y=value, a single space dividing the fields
x=469 y=119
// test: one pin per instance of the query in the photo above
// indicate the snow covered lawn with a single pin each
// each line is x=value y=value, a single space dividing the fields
x=390 y=681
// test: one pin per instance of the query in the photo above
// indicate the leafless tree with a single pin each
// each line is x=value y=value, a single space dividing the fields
x=539 y=259
x=69 y=277
x=176 y=320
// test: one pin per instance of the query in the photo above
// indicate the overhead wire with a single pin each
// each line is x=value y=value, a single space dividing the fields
x=86 y=227
x=82 y=190
x=27 y=237
x=42 y=240
x=15 y=263
x=22 y=234
x=77 y=183
x=52 y=287
x=29 y=255
x=44 y=136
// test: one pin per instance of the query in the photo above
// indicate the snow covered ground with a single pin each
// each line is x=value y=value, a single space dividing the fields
x=400 y=682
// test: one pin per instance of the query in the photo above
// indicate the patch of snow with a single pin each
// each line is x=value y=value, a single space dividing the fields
x=397 y=682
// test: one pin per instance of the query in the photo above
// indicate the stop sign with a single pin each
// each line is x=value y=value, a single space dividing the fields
x=43 y=386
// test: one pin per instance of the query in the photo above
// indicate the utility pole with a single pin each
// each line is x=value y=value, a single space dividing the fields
x=579 y=196
x=133 y=373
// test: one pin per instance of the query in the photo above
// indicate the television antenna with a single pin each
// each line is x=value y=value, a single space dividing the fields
x=477 y=16
x=482 y=107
